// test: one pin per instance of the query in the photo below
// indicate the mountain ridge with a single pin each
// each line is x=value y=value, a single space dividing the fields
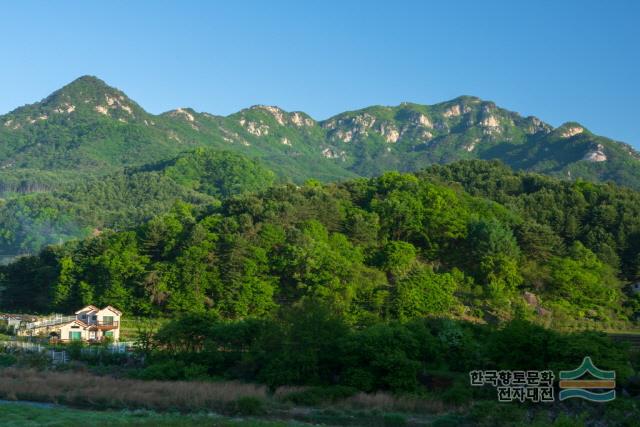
x=89 y=124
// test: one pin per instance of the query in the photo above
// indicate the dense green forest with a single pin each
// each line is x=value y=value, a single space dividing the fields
x=310 y=345
x=465 y=240
x=124 y=199
x=87 y=157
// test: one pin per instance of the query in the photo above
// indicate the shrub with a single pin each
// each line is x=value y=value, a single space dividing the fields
x=565 y=420
x=497 y=414
x=169 y=370
x=458 y=394
x=7 y=360
x=34 y=360
x=195 y=372
x=74 y=349
x=394 y=420
x=248 y=405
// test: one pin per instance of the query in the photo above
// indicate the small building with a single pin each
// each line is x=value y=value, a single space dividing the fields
x=100 y=323
x=90 y=323
x=16 y=321
x=76 y=330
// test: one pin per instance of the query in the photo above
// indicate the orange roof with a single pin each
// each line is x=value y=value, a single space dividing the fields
x=89 y=307
x=115 y=310
x=80 y=322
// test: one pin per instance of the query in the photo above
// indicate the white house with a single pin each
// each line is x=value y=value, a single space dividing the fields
x=90 y=323
x=96 y=324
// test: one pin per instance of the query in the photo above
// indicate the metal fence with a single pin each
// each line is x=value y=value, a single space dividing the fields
x=59 y=355
x=24 y=345
x=51 y=321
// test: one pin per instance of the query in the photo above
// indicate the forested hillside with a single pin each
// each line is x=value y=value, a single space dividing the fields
x=124 y=199
x=82 y=158
x=466 y=240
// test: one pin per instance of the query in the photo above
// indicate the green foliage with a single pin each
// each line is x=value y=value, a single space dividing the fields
x=583 y=280
x=219 y=174
x=521 y=343
x=7 y=360
x=125 y=198
x=309 y=346
x=423 y=292
x=248 y=406
x=172 y=370
x=489 y=414
x=394 y=247
x=88 y=157
x=394 y=420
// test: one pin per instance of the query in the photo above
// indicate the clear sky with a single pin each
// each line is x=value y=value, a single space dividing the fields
x=558 y=60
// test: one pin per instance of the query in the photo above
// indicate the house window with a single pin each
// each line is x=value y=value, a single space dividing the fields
x=75 y=335
x=107 y=320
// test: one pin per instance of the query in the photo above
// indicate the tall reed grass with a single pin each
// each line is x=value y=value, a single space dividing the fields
x=87 y=390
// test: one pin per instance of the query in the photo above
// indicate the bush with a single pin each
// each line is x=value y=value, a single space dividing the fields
x=195 y=372
x=248 y=405
x=565 y=420
x=394 y=420
x=458 y=394
x=34 y=360
x=169 y=370
x=7 y=360
x=74 y=349
x=492 y=414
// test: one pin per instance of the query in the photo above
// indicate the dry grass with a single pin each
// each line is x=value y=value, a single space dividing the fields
x=381 y=401
x=283 y=391
x=389 y=403
x=82 y=389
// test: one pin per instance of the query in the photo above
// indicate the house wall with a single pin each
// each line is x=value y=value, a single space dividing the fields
x=65 y=329
x=13 y=322
x=116 y=318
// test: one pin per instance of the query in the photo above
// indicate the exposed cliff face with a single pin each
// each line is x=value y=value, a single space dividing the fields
x=596 y=155
x=571 y=131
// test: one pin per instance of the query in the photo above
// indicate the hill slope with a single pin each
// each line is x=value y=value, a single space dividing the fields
x=125 y=198
x=90 y=127
x=82 y=157
x=398 y=246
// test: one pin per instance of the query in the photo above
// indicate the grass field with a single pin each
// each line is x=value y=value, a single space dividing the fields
x=129 y=327
x=27 y=414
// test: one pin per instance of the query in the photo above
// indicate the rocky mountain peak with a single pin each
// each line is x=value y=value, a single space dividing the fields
x=87 y=94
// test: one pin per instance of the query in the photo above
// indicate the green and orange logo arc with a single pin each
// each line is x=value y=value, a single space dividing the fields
x=572 y=386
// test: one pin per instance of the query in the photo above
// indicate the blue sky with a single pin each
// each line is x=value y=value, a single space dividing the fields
x=558 y=60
